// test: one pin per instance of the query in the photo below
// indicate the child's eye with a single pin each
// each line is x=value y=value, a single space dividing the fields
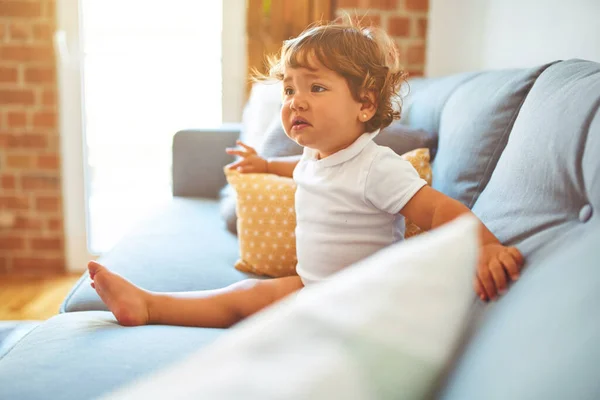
x=318 y=88
x=288 y=91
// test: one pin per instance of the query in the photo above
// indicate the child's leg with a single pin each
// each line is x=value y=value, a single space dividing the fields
x=218 y=308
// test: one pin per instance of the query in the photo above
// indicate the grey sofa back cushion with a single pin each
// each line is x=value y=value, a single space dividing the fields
x=542 y=339
x=423 y=106
x=590 y=164
x=196 y=171
x=474 y=128
x=547 y=179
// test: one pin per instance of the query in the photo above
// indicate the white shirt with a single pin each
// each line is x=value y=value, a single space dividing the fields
x=347 y=205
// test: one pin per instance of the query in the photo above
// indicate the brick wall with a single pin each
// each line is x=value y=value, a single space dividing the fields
x=30 y=183
x=405 y=20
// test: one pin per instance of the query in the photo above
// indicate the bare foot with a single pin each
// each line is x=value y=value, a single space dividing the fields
x=126 y=301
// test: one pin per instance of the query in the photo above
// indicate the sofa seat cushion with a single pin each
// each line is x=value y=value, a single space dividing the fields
x=547 y=180
x=183 y=247
x=542 y=339
x=87 y=354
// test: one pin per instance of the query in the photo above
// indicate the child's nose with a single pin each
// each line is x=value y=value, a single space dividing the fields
x=299 y=103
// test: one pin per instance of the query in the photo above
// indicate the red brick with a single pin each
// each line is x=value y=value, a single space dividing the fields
x=6 y=140
x=55 y=224
x=28 y=223
x=3 y=261
x=422 y=28
x=49 y=97
x=47 y=203
x=348 y=3
x=33 y=182
x=48 y=161
x=20 y=8
x=399 y=26
x=27 y=53
x=46 y=244
x=14 y=202
x=34 y=141
x=23 y=141
x=19 y=31
x=12 y=243
x=416 y=54
x=417 y=5
x=19 y=161
x=413 y=73
x=23 y=97
x=17 y=119
x=9 y=74
x=8 y=181
x=43 y=31
x=40 y=75
x=379 y=4
x=41 y=265
x=45 y=119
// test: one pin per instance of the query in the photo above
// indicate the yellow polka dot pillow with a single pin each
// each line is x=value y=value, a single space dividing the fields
x=267 y=219
x=266 y=223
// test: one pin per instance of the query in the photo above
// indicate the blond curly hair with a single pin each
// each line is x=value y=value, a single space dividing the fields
x=365 y=56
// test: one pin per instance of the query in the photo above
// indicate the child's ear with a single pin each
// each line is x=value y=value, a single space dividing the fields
x=368 y=105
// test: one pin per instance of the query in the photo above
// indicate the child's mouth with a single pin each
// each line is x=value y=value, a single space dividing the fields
x=299 y=127
x=299 y=124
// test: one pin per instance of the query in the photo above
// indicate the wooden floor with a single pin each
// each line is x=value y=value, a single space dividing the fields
x=33 y=298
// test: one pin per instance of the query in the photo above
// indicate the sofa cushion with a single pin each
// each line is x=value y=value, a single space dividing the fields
x=87 y=354
x=542 y=339
x=267 y=223
x=590 y=169
x=422 y=107
x=548 y=174
x=183 y=247
x=474 y=128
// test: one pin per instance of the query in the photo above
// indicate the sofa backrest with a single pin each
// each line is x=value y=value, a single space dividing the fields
x=540 y=191
x=542 y=186
x=511 y=145
x=473 y=115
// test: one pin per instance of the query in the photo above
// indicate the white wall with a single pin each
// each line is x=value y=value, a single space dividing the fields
x=469 y=35
x=234 y=59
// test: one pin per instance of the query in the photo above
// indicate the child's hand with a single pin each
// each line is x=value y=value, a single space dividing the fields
x=251 y=162
x=497 y=265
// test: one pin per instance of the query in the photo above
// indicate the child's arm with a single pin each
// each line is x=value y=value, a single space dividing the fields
x=251 y=162
x=283 y=166
x=429 y=209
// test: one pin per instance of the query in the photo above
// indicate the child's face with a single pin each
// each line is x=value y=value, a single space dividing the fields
x=319 y=111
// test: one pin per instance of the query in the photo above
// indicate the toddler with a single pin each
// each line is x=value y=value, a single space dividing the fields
x=340 y=88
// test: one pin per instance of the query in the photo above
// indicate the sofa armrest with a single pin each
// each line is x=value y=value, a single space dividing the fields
x=198 y=160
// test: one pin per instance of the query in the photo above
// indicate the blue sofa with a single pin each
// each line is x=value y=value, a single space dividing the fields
x=520 y=147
